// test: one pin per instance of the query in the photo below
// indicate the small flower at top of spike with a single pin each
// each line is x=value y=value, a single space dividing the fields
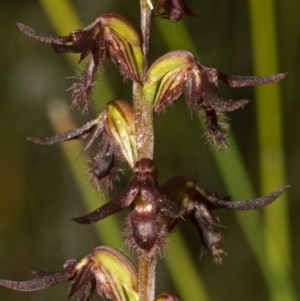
x=172 y=9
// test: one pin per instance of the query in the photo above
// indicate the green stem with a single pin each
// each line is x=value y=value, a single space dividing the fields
x=146 y=16
x=143 y=118
x=146 y=276
x=143 y=121
x=143 y=110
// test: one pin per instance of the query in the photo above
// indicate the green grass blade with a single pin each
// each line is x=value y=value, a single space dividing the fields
x=269 y=121
x=277 y=277
x=185 y=273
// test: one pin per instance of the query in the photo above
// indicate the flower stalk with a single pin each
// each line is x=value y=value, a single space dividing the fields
x=146 y=276
x=143 y=109
x=124 y=132
x=143 y=116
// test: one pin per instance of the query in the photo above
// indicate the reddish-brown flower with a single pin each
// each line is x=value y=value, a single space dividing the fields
x=111 y=36
x=112 y=136
x=105 y=270
x=200 y=203
x=179 y=72
x=147 y=203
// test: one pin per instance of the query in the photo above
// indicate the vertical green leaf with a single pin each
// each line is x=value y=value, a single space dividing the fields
x=271 y=154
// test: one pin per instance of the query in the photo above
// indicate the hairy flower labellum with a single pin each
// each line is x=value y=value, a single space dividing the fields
x=112 y=36
x=103 y=160
x=115 y=125
x=143 y=224
x=199 y=204
x=102 y=167
x=121 y=132
x=178 y=72
x=106 y=270
x=148 y=203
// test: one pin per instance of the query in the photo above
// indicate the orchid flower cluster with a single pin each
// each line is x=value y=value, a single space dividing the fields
x=124 y=132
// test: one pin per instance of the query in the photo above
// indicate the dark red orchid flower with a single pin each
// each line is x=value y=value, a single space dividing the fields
x=111 y=138
x=111 y=36
x=179 y=72
x=102 y=166
x=199 y=205
x=106 y=271
x=147 y=203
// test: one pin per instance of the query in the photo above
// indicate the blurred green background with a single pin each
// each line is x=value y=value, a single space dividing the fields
x=41 y=189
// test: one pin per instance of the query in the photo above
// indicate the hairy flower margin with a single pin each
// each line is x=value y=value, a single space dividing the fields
x=105 y=270
x=154 y=213
x=179 y=72
x=175 y=73
x=154 y=210
x=111 y=36
x=112 y=138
